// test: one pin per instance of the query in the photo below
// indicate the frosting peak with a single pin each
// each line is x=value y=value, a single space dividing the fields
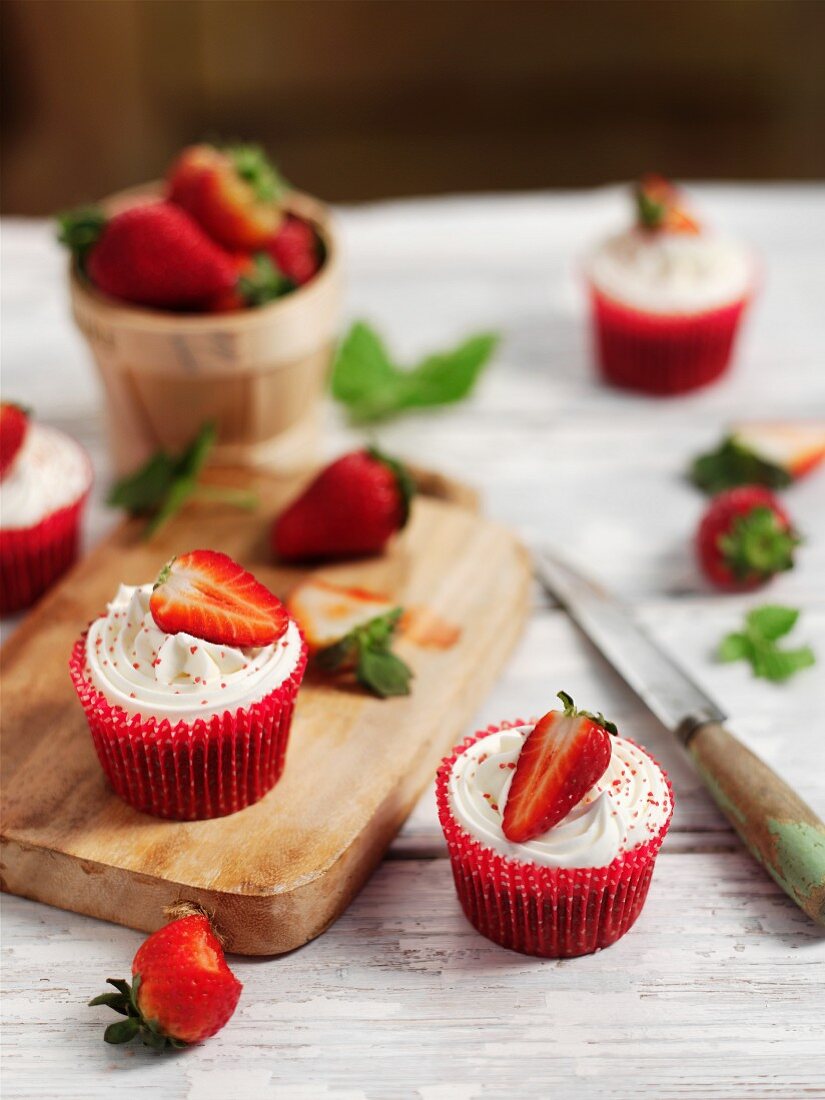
x=625 y=808
x=146 y=671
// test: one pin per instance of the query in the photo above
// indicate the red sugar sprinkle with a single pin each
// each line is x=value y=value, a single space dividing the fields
x=132 y=695
x=193 y=649
x=136 y=664
x=483 y=757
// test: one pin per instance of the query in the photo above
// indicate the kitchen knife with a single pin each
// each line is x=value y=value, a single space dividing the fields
x=779 y=829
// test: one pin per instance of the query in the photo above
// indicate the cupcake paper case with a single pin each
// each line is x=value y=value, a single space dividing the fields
x=152 y=700
x=536 y=908
x=41 y=509
x=667 y=298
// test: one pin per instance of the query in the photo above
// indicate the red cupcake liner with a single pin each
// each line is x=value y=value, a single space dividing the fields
x=555 y=912
x=192 y=770
x=33 y=558
x=663 y=354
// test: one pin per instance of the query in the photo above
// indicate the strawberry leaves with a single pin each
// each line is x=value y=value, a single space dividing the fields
x=161 y=487
x=366 y=651
x=757 y=644
x=758 y=543
x=732 y=464
x=124 y=1002
x=373 y=387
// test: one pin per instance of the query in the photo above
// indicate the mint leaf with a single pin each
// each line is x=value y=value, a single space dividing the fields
x=757 y=644
x=366 y=652
x=365 y=379
x=161 y=487
x=771 y=621
x=734 y=647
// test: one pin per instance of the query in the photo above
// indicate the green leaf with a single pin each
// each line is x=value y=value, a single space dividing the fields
x=122 y=1031
x=732 y=464
x=80 y=229
x=141 y=492
x=734 y=647
x=117 y=1001
x=120 y=985
x=264 y=283
x=758 y=544
x=365 y=379
x=366 y=650
x=253 y=165
x=771 y=621
x=757 y=644
x=383 y=673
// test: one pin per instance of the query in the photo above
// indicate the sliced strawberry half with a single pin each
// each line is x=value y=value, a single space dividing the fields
x=14 y=424
x=659 y=206
x=208 y=595
x=565 y=754
x=326 y=612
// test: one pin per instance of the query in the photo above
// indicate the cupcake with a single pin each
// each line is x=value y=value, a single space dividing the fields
x=189 y=687
x=667 y=297
x=553 y=830
x=45 y=478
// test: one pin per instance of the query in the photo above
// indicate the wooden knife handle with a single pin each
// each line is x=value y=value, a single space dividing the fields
x=781 y=830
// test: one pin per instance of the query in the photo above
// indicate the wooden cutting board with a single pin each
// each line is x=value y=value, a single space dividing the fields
x=277 y=873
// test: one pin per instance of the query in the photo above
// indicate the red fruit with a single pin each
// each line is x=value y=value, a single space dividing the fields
x=296 y=250
x=14 y=423
x=659 y=206
x=231 y=193
x=152 y=255
x=258 y=282
x=182 y=990
x=208 y=595
x=354 y=506
x=564 y=755
x=744 y=538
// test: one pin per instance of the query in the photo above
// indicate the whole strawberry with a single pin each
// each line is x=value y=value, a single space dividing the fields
x=353 y=507
x=151 y=255
x=14 y=424
x=182 y=990
x=296 y=250
x=744 y=538
x=231 y=193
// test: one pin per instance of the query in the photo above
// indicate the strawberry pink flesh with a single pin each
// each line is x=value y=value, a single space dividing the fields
x=561 y=760
x=209 y=596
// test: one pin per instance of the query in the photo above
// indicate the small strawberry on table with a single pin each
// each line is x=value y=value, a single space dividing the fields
x=744 y=538
x=182 y=990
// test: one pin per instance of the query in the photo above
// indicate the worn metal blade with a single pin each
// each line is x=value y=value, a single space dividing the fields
x=676 y=700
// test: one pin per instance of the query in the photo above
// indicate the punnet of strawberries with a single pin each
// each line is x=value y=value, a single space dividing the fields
x=222 y=237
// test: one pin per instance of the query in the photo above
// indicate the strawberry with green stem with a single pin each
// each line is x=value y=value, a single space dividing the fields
x=182 y=990
x=744 y=538
x=659 y=207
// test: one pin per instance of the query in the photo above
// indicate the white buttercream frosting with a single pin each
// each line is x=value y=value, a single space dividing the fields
x=627 y=807
x=142 y=669
x=663 y=272
x=49 y=472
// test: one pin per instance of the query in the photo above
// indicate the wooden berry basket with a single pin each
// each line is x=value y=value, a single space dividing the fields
x=258 y=374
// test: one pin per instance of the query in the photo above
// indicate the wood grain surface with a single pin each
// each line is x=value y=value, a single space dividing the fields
x=278 y=873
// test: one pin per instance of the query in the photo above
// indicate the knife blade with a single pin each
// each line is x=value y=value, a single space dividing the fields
x=780 y=830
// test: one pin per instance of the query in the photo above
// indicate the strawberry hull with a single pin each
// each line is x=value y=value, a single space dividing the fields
x=663 y=354
x=553 y=912
x=190 y=771
x=33 y=558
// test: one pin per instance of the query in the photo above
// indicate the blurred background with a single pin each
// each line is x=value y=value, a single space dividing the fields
x=362 y=99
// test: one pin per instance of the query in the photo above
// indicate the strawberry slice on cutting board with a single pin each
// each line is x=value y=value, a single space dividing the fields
x=208 y=595
x=326 y=612
x=564 y=755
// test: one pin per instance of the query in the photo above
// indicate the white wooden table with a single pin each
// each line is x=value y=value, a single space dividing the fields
x=719 y=991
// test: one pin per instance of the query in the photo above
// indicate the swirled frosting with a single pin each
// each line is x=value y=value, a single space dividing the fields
x=662 y=272
x=142 y=669
x=627 y=807
x=50 y=472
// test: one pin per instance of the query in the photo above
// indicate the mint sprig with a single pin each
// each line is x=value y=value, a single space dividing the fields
x=366 y=650
x=757 y=644
x=732 y=464
x=372 y=387
x=161 y=487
